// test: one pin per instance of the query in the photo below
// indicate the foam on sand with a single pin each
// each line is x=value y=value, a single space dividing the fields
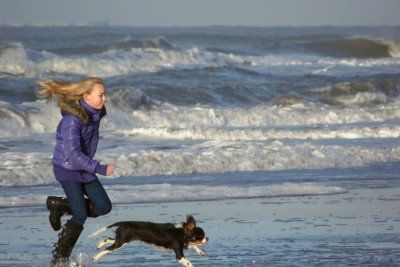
x=168 y=192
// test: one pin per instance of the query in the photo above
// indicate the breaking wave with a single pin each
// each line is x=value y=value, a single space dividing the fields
x=125 y=44
x=146 y=152
x=132 y=110
x=355 y=48
x=16 y=60
x=357 y=94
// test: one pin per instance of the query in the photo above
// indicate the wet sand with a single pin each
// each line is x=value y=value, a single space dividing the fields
x=361 y=227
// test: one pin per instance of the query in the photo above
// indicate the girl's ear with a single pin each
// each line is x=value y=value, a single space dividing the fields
x=85 y=97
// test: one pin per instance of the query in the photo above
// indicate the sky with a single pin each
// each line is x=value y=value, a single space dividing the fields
x=202 y=12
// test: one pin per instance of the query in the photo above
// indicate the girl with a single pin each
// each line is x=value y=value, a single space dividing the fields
x=82 y=107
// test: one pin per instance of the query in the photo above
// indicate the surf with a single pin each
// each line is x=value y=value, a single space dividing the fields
x=355 y=47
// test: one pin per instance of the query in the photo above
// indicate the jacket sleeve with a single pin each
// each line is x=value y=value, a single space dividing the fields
x=101 y=169
x=71 y=134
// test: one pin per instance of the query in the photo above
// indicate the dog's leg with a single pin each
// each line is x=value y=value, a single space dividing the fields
x=185 y=262
x=100 y=254
x=196 y=248
x=181 y=257
x=105 y=241
x=113 y=247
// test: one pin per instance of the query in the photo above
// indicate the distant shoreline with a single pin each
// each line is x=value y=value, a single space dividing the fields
x=89 y=25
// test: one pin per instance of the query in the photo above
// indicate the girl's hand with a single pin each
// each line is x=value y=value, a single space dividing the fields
x=110 y=169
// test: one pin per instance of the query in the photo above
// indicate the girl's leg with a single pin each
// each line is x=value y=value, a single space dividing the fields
x=67 y=239
x=76 y=200
x=72 y=229
x=98 y=196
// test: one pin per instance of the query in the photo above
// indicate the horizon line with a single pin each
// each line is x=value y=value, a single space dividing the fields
x=102 y=24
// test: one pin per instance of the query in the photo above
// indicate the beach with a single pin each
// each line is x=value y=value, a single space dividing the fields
x=360 y=227
x=283 y=142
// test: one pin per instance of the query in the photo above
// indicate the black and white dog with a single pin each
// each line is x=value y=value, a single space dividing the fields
x=164 y=236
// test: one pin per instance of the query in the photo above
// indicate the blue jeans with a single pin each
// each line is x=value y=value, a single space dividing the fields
x=76 y=191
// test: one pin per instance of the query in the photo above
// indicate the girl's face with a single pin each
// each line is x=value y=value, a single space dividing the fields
x=96 y=97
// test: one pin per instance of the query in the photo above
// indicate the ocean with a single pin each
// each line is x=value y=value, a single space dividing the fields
x=199 y=114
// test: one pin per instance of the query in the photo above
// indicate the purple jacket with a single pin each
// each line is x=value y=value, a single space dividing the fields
x=76 y=146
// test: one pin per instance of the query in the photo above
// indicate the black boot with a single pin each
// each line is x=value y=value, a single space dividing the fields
x=66 y=241
x=90 y=208
x=58 y=206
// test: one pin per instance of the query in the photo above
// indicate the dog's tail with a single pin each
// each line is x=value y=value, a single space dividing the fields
x=102 y=230
x=98 y=232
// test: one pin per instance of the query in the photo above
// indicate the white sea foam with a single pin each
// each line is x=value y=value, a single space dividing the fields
x=267 y=137
x=360 y=99
x=28 y=118
x=27 y=168
x=169 y=192
x=252 y=134
x=170 y=116
x=14 y=60
x=222 y=156
x=166 y=120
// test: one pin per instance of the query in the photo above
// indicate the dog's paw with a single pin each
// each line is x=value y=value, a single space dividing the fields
x=185 y=262
x=200 y=252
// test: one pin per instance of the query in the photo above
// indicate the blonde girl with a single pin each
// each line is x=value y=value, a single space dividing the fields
x=82 y=108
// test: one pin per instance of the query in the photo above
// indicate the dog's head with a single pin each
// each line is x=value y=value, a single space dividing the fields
x=192 y=233
x=198 y=236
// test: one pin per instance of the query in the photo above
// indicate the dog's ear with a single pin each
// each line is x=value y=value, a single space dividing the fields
x=191 y=220
x=190 y=224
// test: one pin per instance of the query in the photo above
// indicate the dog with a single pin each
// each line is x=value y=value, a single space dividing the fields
x=164 y=236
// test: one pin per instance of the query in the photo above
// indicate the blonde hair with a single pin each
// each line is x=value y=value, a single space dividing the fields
x=68 y=93
x=66 y=90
